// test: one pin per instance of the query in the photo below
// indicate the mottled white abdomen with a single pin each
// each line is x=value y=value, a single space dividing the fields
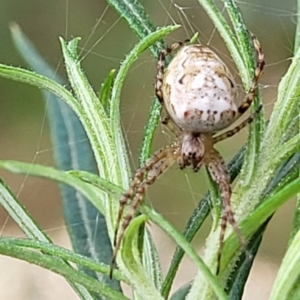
x=198 y=90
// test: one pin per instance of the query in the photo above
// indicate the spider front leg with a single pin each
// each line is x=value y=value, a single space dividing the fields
x=257 y=73
x=154 y=166
x=219 y=173
x=238 y=128
x=172 y=127
x=167 y=121
x=161 y=68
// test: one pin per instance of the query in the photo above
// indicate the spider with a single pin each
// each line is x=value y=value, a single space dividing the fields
x=199 y=98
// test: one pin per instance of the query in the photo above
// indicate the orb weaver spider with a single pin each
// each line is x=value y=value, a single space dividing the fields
x=198 y=95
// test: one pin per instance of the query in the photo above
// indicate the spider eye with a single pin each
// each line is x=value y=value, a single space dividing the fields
x=199 y=91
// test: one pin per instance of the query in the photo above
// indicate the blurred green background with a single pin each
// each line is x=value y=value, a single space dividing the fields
x=106 y=39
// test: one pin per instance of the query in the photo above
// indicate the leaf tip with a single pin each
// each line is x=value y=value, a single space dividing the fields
x=15 y=29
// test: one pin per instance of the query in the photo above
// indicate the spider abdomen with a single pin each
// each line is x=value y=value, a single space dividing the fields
x=198 y=90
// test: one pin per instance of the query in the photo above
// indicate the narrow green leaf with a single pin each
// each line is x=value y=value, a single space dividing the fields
x=193 y=39
x=280 y=126
x=199 y=289
x=286 y=174
x=151 y=259
x=229 y=39
x=105 y=93
x=259 y=216
x=149 y=129
x=26 y=223
x=65 y=126
x=181 y=293
x=193 y=225
x=90 y=192
x=96 y=122
x=238 y=278
x=55 y=265
x=20 y=215
x=118 y=139
x=241 y=34
x=297 y=33
x=131 y=257
x=246 y=49
x=195 y=222
x=296 y=219
x=116 y=92
x=138 y=20
x=110 y=153
x=188 y=249
x=56 y=251
x=287 y=280
x=99 y=182
x=42 y=82
x=111 y=166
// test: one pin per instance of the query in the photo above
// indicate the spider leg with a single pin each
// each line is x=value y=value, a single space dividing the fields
x=257 y=73
x=167 y=121
x=161 y=68
x=219 y=173
x=155 y=166
x=238 y=128
x=138 y=177
x=172 y=127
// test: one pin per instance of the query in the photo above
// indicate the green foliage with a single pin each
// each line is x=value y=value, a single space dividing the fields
x=269 y=176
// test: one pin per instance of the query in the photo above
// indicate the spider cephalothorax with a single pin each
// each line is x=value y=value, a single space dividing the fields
x=198 y=96
x=193 y=149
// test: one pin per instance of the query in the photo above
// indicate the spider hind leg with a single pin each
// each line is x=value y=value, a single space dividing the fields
x=155 y=166
x=218 y=171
